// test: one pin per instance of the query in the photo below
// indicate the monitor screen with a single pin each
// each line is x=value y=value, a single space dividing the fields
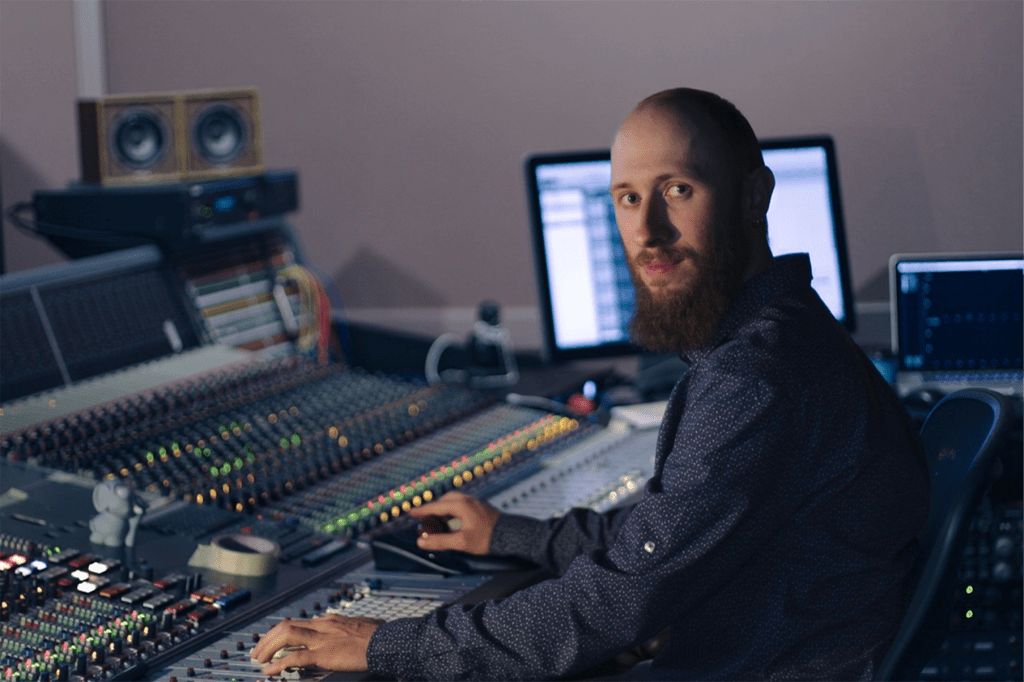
x=958 y=312
x=586 y=296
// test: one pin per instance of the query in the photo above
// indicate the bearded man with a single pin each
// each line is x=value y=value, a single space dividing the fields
x=777 y=532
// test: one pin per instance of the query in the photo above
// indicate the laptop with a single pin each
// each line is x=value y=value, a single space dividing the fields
x=957 y=321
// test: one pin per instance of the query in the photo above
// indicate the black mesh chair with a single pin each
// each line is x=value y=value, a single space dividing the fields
x=962 y=436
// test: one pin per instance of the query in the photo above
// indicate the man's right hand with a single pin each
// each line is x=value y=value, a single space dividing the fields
x=475 y=523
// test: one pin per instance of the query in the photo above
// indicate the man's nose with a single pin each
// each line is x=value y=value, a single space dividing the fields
x=654 y=228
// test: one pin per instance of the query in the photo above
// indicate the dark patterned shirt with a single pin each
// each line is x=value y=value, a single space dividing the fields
x=773 y=539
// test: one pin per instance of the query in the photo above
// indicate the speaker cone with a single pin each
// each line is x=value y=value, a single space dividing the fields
x=140 y=140
x=220 y=134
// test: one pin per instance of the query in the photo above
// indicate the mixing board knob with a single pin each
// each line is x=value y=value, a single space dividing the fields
x=1002 y=572
x=1003 y=546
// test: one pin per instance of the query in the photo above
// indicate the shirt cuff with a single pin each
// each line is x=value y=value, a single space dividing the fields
x=519 y=536
x=391 y=645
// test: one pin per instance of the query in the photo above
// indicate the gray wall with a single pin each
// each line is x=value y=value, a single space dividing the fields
x=408 y=120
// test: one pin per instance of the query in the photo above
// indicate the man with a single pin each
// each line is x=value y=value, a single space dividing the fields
x=776 y=534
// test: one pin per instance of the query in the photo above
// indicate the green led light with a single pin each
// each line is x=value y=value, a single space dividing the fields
x=969 y=614
x=284 y=442
x=365 y=511
x=162 y=451
x=353 y=517
x=215 y=471
x=239 y=463
x=970 y=589
x=329 y=528
x=226 y=468
x=206 y=452
x=295 y=439
x=150 y=457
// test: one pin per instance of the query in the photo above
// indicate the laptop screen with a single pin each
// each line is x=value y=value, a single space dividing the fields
x=958 y=312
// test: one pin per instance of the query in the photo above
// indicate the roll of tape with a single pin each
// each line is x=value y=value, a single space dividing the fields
x=238 y=554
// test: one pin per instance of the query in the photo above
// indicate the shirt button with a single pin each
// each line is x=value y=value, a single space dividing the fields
x=649 y=547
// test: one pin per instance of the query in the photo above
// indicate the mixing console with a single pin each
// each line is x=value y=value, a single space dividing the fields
x=311 y=457
x=363 y=592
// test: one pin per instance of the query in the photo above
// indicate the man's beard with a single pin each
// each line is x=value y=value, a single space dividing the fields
x=680 y=321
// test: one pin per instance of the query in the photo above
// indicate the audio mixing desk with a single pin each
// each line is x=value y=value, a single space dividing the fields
x=225 y=449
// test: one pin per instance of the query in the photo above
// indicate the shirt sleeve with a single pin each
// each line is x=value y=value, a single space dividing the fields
x=718 y=497
x=555 y=543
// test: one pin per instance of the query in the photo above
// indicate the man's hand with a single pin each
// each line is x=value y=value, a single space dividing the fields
x=471 y=533
x=330 y=642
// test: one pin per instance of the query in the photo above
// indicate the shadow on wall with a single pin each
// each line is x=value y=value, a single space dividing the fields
x=22 y=251
x=368 y=280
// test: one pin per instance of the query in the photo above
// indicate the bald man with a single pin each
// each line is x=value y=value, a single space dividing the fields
x=776 y=535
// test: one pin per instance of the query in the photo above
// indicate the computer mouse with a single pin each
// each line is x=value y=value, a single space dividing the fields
x=397 y=551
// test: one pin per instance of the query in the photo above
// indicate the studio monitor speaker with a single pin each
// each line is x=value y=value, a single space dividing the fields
x=171 y=137
x=130 y=139
x=222 y=134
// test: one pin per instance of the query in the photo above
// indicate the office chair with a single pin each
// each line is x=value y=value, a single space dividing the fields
x=961 y=435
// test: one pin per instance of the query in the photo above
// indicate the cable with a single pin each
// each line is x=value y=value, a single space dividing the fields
x=38 y=229
x=437 y=348
x=314 y=323
x=496 y=335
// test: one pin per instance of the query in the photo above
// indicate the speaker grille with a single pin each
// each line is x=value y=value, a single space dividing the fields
x=126 y=140
x=223 y=134
x=140 y=140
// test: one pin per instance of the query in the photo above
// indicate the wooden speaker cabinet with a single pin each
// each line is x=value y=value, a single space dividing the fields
x=170 y=137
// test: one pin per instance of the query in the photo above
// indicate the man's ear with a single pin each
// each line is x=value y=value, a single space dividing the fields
x=758 y=193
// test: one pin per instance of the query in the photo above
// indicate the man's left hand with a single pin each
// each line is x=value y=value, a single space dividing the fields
x=330 y=642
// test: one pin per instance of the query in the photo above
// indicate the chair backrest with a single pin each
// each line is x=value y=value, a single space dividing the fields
x=962 y=436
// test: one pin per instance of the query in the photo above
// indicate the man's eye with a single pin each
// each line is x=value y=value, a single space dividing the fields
x=678 y=190
x=629 y=199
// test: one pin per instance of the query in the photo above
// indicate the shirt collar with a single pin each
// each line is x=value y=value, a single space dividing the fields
x=788 y=273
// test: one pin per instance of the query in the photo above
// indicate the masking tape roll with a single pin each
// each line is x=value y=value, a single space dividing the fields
x=238 y=554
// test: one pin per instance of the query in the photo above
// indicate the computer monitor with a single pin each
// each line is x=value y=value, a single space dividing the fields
x=585 y=292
